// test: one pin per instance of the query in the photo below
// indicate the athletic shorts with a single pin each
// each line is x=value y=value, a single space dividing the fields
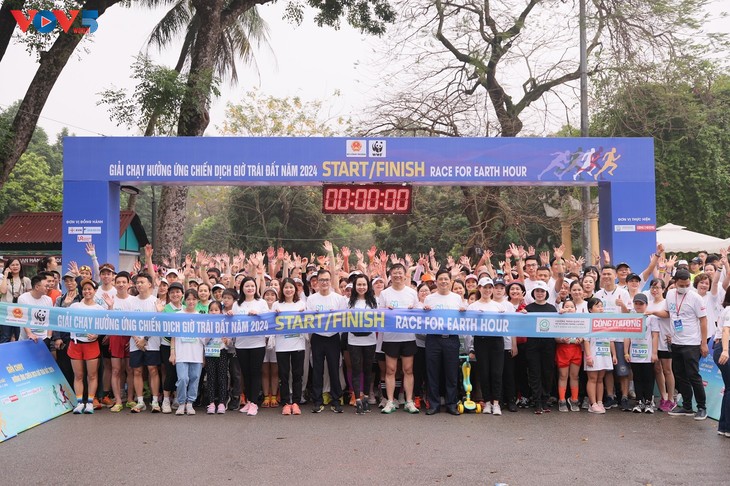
x=567 y=354
x=622 y=367
x=118 y=346
x=270 y=356
x=83 y=351
x=664 y=354
x=137 y=359
x=398 y=349
x=105 y=351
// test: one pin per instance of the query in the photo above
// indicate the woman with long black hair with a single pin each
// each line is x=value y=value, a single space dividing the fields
x=361 y=345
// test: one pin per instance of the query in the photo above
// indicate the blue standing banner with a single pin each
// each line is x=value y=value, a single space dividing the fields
x=32 y=388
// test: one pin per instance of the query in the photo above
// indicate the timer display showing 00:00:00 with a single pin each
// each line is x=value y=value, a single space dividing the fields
x=366 y=199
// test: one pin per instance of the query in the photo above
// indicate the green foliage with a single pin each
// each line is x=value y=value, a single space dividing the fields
x=258 y=115
x=36 y=43
x=159 y=92
x=31 y=187
x=690 y=123
x=369 y=16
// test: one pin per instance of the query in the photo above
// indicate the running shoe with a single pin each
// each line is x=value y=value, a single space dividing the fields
x=336 y=406
x=253 y=410
x=701 y=414
x=383 y=402
x=410 y=407
x=210 y=410
x=359 y=407
x=366 y=406
x=166 y=408
x=130 y=404
x=417 y=402
x=496 y=409
x=79 y=408
x=89 y=408
x=678 y=411
x=180 y=410
x=625 y=404
x=118 y=407
x=487 y=408
x=245 y=408
x=389 y=407
x=610 y=403
x=649 y=408
x=140 y=407
x=221 y=408
x=639 y=407
x=586 y=404
x=155 y=408
x=574 y=405
x=107 y=401
x=189 y=409
x=286 y=410
x=563 y=406
x=295 y=410
x=97 y=404
x=318 y=409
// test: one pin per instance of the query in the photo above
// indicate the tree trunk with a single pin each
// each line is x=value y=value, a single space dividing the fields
x=15 y=141
x=193 y=121
x=7 y=23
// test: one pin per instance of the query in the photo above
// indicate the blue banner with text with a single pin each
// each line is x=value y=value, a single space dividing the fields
x=183 y=324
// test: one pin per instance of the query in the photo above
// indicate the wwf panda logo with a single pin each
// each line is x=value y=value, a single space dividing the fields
x=40 y=316
x=377 y=148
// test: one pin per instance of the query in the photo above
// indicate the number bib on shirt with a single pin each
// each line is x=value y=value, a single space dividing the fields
x=603 y=349
x=213 y=351
x=678 y=326
x=639 y=351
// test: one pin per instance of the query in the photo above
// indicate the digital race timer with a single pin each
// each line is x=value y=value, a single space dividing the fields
x=367 y=199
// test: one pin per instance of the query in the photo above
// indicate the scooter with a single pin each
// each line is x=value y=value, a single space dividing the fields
x=468 y=405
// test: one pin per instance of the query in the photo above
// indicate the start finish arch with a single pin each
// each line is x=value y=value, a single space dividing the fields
x=622 y=168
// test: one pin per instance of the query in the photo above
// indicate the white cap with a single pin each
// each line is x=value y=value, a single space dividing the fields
x=484 y=281
x=471 y=276
x=172 y=270
x=682 y=262
x=540 y=285
x=348 y=286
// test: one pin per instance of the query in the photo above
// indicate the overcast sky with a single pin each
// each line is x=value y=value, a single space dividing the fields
x=305 y=61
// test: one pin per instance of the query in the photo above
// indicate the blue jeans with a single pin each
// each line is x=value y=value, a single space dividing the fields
x=724 y=424
x=188 y=376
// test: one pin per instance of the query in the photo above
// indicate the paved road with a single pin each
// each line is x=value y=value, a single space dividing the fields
x=401 y=449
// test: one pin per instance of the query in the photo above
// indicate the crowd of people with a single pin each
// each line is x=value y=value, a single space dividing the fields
x=687 y=305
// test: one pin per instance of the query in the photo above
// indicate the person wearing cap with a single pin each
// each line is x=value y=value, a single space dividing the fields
x=695 y=268
x=217 y=291
x=471 y=282
x=172 y=276
x=169 y=381
x=61 y=339
x=688 y=315
x=615 y=300
x=623 y=270
x=509 y=392
x=325 y=345
x=641 y=352
x=540 y=352
x=489 y=351
x=442 y=350
x=633 y=286
x=270 y=372
x=84 y=352
x=106 y=287
x=398 y=345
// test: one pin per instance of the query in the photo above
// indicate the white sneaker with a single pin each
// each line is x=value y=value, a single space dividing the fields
x=487 y=408
x=180 y=410
x=411 y=407
x=383 y=402
x=189 y=409
x=79 y=408
x=496 y=409
x=389 y=407
x=89 y=408
x=166 y=408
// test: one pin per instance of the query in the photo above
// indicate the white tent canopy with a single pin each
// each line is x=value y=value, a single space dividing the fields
x=678 y=239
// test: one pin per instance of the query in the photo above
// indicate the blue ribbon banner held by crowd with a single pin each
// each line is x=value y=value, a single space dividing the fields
x=549 y=325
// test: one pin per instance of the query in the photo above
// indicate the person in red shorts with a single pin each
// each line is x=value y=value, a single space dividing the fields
x=84 y=352
x=568 y=357
x=119 y=345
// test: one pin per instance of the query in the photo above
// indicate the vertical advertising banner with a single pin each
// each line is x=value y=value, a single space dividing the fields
x=714 y=386
x=32 y=388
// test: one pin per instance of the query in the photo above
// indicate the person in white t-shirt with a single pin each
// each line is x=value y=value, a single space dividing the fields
x=187 y=354
x=663 y=367
x=442 y=351
x=250 y=350
x=325 y=345
x=721 y=356
x=615 y=300
x=290 y=351
x=38 y=330
x=119 y=345
x=641 y=352
x=144 y=351
x=688 y=315
x=84 y=352
x=361 y=345
x=489 y=351
x=398 y=345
